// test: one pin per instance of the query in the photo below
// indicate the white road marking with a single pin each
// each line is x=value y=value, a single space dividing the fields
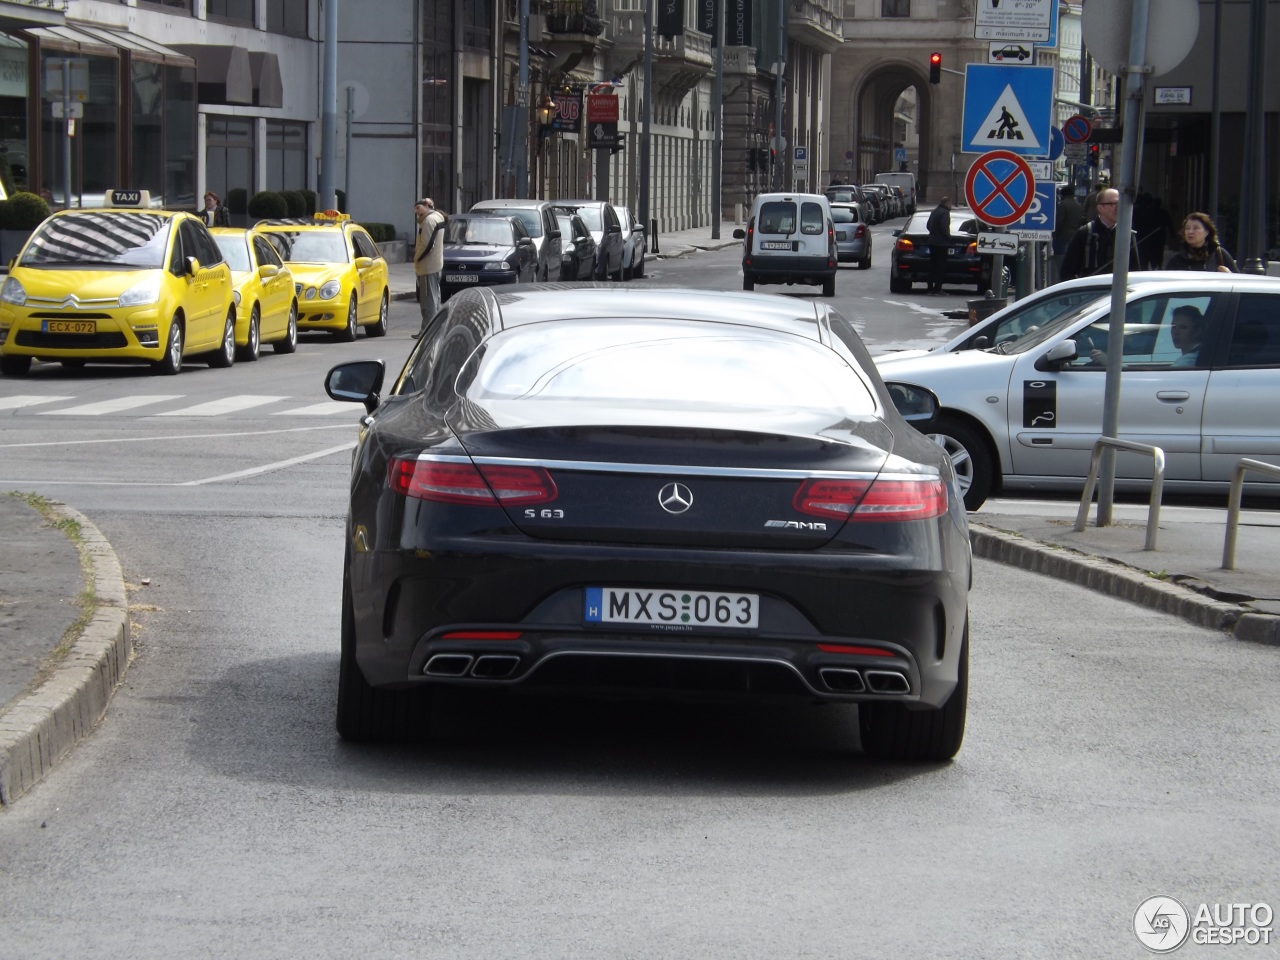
x=178 y=436
x=214 y=408
x=27 y=400
x=268 y=467
x=109 y=406
x=320 y=409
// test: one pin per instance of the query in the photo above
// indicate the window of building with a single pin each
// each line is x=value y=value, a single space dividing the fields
x=229 y=155
x=170 y=5
x=231 y=11
x=895 y=8
x=13 y=108
x=286 y=155
x=288 y=17
x=180 y=136
x=96 y=137
x=437 y=99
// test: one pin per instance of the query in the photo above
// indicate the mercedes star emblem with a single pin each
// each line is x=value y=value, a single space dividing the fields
x=675 y=498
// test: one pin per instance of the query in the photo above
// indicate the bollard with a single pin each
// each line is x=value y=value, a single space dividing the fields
x=981 y=309
x=653 y=232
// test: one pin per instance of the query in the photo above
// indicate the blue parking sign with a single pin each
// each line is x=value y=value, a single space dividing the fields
x=1042 y=216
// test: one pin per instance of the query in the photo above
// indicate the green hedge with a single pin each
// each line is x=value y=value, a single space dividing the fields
x=381 y=232
x=268 y=205
x=296 y=202
x=23 y=211
x=237 y=200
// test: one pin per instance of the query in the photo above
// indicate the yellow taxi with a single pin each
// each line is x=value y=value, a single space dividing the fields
x=339 y=275
x=121 y=284
x=266 y=305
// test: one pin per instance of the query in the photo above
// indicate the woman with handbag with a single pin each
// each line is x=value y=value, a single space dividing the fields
x=1200 y=248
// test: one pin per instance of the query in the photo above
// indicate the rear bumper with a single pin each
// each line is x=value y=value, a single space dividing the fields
x=789 y=269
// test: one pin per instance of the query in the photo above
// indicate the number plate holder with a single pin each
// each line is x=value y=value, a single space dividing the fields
x=68 y=326
x=462 y=278
x=671 y=608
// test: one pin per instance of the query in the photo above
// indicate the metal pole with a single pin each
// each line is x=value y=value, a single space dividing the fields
x=642 y=198
x=522 y=101
x=717 y=115
x=351 y=112
x=1215 y=136
x=329 y=107
x=1130 y=157
x=67 y=122
x=1253 y=187
x=780 y=143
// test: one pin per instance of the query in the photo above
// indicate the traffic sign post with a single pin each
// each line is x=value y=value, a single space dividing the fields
x=1041 y=217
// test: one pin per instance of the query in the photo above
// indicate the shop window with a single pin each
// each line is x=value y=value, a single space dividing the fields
x=96 y=136
x=286 y=155
x=230 y=156
x=180 y=136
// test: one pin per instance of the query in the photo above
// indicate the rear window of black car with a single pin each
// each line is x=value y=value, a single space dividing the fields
x=663 y=365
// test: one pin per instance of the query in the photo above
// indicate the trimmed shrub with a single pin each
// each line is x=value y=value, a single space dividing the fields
x=296 y=202
x=381 y=232
x=311 y=197
x=23 y=211
x=268 y=205
x=238 y=200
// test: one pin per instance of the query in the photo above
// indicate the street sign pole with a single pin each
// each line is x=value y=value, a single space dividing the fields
x=66 y=132
x=1135 y=71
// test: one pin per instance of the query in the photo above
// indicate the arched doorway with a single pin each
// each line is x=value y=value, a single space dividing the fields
x=892 y=123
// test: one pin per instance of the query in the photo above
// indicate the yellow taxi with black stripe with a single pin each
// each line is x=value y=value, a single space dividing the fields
x=339 y=275
x=125 y=283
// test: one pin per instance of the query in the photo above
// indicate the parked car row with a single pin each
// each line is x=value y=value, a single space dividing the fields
x=131 y=284
x=567 y=240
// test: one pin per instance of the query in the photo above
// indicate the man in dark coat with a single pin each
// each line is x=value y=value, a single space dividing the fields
x=939 y=225
x=1093 y=249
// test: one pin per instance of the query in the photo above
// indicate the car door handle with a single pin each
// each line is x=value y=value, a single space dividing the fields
x=1173 y=396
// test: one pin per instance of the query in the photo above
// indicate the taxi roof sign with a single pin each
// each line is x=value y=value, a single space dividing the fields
x=127 y=198
x=331 y=215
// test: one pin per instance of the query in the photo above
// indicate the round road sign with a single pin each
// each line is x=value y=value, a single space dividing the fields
x=1000 y=188
x=1077 y=129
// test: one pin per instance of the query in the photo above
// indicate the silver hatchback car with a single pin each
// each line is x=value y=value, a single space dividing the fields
x=853 y=234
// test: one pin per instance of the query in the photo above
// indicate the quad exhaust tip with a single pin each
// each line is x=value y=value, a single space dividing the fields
x=495 y=667
x=887 y=681
x=448 y=665
x=842 y=680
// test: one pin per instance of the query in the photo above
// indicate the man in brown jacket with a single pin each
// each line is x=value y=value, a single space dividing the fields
x=428 y=258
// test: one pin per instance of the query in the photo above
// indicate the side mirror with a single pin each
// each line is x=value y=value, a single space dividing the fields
x=739 y=234
x=980 y=343
x=268 y=270
x=916 y=405
x=364 y=263
x=614 y=228
x=897 y=233
x=357 y=381
x=1059 y=355
x=192 y=265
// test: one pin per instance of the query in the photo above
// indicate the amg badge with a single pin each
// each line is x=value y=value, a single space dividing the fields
x=794 y=525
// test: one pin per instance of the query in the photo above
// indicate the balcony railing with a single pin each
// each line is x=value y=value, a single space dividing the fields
x=573 y=16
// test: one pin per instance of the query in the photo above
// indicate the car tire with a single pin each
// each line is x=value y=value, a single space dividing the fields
x=15 y=366
x=225 y=355
x=829 y=287
x=970 y=457
x=899 y=286
x=251 y=350
x=379 y=329
x=367 y=714
x=748 y=281
x=889 y=731
x=637 y=272
x=865 y=263
x=348 y=333
x=171 y=363
x=290 y=341
x=617 y=274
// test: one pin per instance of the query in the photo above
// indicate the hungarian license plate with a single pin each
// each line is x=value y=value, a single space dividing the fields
x=670 y=607
x=461 y=278
x=957 y=251
x=69 y=326
x=776 y=245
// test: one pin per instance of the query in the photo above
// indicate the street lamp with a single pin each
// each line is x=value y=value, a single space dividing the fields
x=546 y=111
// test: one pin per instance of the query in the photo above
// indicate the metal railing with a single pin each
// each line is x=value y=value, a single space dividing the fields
x=1233 y=505
x=1157 y=484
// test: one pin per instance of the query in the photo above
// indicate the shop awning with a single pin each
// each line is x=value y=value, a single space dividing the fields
x=84 y=38
x=18 y=16
x=223 y=73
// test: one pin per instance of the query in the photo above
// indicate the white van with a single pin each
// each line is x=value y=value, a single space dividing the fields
x=790 y=238
x=904 y=179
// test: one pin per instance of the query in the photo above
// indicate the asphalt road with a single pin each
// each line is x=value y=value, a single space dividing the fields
x=1112 y=754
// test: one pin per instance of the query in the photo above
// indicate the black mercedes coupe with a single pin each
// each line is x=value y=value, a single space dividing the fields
x=672 y=493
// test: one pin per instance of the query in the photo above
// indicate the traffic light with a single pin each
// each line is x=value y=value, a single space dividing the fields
x=935 y=67
x=1094 y=150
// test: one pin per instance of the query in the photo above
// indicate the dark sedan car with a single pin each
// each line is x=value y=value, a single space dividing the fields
x=680 y=493
x=578 y=247
x=605 y=225
x=485 y=250
x=910 y=262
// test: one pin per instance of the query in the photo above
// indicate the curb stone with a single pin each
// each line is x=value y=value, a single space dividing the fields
x=1125 y=582
x=39 y=728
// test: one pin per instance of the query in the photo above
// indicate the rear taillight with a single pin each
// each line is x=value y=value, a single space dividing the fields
x=972 y=249
x=860 y=232
x=904 y=245
x=880 y=500
x=490 y=486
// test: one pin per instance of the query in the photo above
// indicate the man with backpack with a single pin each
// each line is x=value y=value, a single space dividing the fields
x=1093 y=248
x=428 y=258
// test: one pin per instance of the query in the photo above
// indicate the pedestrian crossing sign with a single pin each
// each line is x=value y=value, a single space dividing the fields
x=1007 y=108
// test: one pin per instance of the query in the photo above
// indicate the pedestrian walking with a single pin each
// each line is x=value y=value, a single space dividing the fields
x=214 y=213
x=428 y=258
x=939 y=224
x=1093 y=248
x=1200 y=249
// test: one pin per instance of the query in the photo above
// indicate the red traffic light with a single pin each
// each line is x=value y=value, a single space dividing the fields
x=935 y=67
x=936 y=59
